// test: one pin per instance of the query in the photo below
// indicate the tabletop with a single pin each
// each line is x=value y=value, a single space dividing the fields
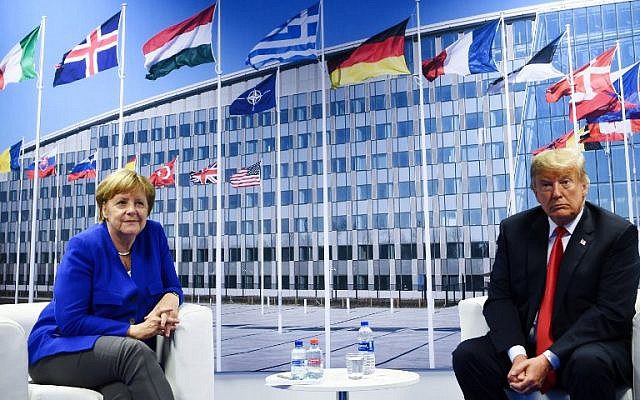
x=335 y=380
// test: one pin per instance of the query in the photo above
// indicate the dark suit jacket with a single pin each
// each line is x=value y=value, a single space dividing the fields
x=94 y=296
x=596 y=287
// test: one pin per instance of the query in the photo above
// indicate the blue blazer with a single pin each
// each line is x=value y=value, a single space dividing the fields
x=94 y=295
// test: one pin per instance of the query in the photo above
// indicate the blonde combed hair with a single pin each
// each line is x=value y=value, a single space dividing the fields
x=559 y=160
x=123 y=181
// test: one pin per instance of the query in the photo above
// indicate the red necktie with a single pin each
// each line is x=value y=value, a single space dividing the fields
x=544 y=339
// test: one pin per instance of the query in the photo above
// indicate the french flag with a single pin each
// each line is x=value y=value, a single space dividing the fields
x=84 y=169
x=471 y=54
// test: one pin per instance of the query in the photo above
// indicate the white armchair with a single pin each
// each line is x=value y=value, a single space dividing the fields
x=473 y=324
x=187 y=357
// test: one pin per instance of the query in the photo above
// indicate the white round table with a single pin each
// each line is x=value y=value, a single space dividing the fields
x=335 y=380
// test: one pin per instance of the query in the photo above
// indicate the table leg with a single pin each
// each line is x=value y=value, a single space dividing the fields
x=342 y=396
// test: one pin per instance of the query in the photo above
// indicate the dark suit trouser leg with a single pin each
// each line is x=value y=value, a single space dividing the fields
x=119 y=367
x=481 y=372
x=595 y=370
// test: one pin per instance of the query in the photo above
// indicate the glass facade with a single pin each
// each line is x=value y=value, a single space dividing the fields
x=376 y=218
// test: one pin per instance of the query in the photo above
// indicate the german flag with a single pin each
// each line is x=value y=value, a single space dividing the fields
x=382 y=54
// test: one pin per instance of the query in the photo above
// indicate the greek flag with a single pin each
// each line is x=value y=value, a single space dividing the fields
x=295 y=40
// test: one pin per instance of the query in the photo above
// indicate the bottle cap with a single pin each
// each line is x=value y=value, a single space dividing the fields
x=364 y=323
x=314 y=340
x=298 y=343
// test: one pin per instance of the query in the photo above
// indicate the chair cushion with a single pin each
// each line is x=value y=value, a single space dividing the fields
x=51 y=392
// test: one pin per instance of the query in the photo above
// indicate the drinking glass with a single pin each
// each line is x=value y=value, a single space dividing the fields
x=355 y=365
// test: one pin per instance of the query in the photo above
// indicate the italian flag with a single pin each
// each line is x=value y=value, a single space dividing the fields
x=186 y=43
x=19 y=65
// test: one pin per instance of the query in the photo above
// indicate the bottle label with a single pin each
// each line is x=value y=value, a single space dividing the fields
x=314 y=363
x=365 y=346
x=297 y=363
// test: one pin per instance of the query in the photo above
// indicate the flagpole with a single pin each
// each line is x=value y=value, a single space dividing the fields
x=219 y=271
x=607 y=152
x=178 y=243
x=567 y=28
x=34 y=206
x=97 y=212
x=121 y=161
x=19 y=222
x=56 y=227
x=425 y=202
x=505 y=72
x=261 y=243
x=278 y=203
x=625 y=131
x=325 y=200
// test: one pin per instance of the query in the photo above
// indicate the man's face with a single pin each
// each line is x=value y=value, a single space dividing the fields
x=561 y=194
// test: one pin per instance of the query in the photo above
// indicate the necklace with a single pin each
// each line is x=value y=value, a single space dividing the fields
x=124 y=253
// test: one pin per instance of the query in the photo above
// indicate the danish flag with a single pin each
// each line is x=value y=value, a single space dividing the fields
x=593 y=92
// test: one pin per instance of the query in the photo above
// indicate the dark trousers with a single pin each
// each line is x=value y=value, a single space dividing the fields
x=593 y=371
x=120 y=368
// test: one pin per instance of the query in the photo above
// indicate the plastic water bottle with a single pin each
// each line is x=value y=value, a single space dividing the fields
x=314 y=360
x=366 y=347
x=298 y=361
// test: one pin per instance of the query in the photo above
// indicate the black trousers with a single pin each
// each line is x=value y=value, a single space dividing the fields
x=120 y=368
x=593 y=371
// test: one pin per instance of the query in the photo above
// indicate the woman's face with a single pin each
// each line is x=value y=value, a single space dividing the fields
x=126 y=213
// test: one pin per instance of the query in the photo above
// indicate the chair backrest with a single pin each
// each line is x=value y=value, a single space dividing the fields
x=25 y=314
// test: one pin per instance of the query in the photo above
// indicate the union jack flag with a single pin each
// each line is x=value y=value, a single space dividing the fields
x=97 y=52
x=206 y=175
x=246 y=177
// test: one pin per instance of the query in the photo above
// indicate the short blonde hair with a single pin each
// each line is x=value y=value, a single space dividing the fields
x=559 y=160
x=123 y=181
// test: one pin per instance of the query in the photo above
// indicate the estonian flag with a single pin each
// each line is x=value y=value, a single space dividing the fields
x=538 y=68
x=382 y=54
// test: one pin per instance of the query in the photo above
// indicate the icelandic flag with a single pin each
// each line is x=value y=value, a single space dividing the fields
x=46 y=167
x=260 y=98
x=84 y=169
x=471 y=54
x=96 y=53
x=293 y=41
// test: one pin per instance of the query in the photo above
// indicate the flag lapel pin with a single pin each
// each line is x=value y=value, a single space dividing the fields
x=583 y=242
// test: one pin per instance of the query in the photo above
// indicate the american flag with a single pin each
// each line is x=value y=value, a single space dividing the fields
x=206 y=175
x=246 y=177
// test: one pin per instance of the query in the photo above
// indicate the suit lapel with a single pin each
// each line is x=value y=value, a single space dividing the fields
x=537 y=244
x=576 y=248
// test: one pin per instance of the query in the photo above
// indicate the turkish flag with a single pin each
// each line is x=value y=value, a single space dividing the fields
x=594 y=94
x=164 y=175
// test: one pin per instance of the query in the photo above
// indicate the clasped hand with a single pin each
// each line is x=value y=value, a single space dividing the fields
x=528 y=374
x=160 y=321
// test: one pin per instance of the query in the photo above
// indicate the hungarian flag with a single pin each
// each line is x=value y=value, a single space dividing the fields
x=471 y=54
x=18 y=65
x=593 y=92
x=206 y=175
x=382 y=54
x=164 y=176
x=84 y=169
x=186 y=43
x=538 y=68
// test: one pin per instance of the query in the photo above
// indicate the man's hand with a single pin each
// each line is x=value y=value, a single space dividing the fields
x=527 y=374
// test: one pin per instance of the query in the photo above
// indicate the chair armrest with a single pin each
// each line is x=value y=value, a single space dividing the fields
x=472 y=322
x=635 y=355
x=188 y=356
x=13 y=360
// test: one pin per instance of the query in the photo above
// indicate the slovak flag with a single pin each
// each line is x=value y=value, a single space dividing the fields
x=471 y=54
x=96 y=53
x=164 y=176
x=46 y=167
x=84 y=169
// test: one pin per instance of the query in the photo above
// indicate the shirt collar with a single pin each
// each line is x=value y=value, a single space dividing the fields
x=570 y=227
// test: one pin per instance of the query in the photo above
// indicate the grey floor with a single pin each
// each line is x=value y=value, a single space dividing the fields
x=251 y=342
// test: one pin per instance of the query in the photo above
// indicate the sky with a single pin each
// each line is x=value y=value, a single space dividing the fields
x=244 y=23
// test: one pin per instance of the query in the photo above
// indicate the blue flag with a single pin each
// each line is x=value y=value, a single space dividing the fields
x=260 y=98
x=97 y=52
x=293 y=41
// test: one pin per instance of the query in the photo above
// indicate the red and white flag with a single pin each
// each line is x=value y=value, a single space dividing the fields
x=246 y=177
x=593 y=92
x=164 y=176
